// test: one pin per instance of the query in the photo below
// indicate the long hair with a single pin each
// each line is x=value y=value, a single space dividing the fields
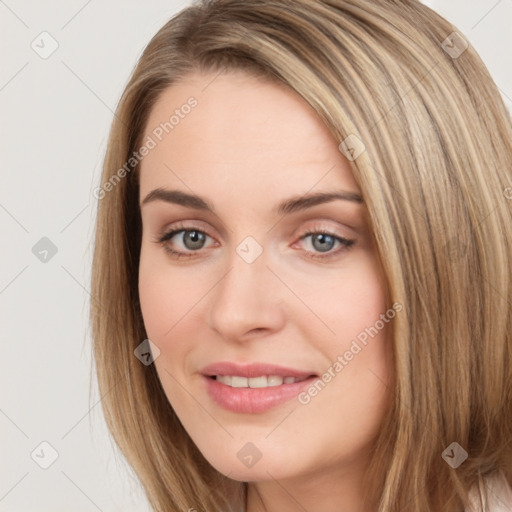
x=433 y=161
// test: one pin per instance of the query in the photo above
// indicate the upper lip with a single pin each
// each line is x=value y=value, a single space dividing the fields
x=252 y=370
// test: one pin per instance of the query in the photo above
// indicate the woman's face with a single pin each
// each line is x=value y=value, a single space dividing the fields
x=249 y=292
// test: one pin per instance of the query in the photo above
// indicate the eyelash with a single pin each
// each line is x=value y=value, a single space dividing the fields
x=163 y=239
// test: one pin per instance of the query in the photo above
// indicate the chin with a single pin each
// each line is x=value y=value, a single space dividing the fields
x=247 y=463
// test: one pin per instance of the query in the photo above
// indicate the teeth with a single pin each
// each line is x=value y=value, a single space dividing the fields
x=257 y=382
x=239 y=382
x=274 y=380
x=264 y=381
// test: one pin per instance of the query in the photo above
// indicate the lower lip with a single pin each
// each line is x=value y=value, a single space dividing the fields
x=253 y=400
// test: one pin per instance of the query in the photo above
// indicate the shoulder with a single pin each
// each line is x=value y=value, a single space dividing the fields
x=499 y=496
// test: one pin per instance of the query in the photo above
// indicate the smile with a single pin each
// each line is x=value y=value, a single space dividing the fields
x=262 y=381
x=244 y=395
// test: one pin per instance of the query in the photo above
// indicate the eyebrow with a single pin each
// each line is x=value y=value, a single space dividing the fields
x=291 y=205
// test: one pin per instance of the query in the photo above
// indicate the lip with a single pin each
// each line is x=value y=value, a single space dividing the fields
x=253 y=400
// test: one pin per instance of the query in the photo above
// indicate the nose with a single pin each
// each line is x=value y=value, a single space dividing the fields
x=246 y=302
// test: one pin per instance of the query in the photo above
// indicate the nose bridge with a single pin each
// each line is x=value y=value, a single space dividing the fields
x=245 y=298
x=247 y=264
x=243 y=279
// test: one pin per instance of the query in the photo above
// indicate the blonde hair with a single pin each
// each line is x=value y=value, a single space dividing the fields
x=435 y=175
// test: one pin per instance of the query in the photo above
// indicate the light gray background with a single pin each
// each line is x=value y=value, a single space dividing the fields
x=56 y=113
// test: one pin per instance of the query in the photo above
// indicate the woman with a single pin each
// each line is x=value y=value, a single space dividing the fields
x=301 y=287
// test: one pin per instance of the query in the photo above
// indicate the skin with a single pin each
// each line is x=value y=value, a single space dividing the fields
x=245 y=147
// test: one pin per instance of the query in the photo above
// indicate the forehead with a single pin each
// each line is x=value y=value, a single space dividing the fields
x=242 y=133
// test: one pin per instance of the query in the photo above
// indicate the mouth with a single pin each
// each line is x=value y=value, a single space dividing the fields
x=238 y=372
x=253 y=388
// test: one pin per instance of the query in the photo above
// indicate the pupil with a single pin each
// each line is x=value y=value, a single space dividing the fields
x=195 y=238
x=326 y=242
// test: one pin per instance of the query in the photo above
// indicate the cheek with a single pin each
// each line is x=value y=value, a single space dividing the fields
x=156 y=300
x=166 y=295
x=164 y=302
x=347 y=301
x=353 y=306
x=348 y=405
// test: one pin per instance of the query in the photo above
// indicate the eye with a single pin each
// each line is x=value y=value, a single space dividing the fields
x=183 y=242
x=323 y=241
x=193 y=240
x=188 y=240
